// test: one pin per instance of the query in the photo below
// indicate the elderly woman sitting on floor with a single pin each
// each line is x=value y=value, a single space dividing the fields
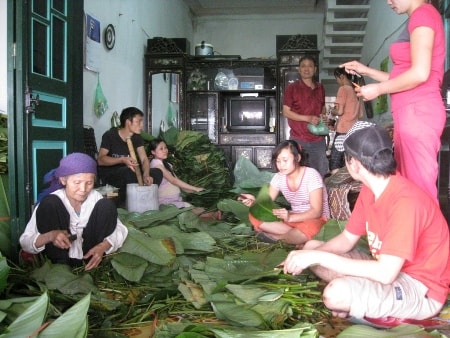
x=73 y=222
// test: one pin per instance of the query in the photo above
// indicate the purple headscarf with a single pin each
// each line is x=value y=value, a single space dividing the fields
x=75 y=163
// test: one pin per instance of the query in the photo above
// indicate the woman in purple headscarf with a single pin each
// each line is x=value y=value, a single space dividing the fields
x=73 y=222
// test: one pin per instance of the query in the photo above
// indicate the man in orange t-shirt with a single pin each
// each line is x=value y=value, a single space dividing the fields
x=407 y=273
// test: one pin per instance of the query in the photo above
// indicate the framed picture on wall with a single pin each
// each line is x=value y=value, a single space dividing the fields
x=174 y=88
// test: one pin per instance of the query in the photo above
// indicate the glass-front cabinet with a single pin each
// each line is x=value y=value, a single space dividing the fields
x=202 y=114
x=233 y=101
x=236 y=102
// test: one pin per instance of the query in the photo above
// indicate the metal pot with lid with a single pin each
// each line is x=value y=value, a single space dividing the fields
x=203 y=49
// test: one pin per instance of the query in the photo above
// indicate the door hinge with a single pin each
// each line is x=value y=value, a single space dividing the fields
x=30 y=101
x=14 y=55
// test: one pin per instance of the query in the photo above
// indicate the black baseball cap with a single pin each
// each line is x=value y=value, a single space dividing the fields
x=363 y=140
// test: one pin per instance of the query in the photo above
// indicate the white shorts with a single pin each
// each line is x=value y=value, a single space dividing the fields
x=404 y=298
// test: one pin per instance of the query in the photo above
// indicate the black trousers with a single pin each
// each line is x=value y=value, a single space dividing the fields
x=51 y=214
x=336 y=157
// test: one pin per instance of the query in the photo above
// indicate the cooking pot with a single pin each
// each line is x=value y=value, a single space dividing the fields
x=203 y=49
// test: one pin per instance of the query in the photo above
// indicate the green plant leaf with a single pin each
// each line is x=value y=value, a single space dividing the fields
x=4 y=272
x=404 y=330
x=131 y=267
x=197 y=241
x=4 y=203
x=30 y=320
x=261 y=209
x=239 y=209
x=301 y=330
x=73 y=322
x=158 y=251
x=240 y=315
x=5 y=237
x=60 y=277
x=152 y=217
x=236 y=270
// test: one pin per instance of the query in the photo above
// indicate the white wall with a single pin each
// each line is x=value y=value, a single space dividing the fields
x=3 y=56
x=384 y=26
x=254 y=35
x=122 y=74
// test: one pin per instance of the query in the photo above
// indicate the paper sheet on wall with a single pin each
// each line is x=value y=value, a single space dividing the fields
x=93 y=45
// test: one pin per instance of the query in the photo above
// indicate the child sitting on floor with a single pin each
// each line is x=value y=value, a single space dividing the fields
x=169 y=190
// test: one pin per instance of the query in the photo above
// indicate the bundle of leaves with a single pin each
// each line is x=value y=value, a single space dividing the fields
x=262 y=208
x=199 y=162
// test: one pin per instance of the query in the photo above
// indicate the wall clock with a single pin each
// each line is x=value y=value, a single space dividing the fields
x=110 y=37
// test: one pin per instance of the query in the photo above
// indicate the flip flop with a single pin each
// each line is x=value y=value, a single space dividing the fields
x=262 y=237
x=389 y=322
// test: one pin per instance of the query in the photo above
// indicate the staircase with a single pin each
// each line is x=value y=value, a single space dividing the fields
x=344 y=31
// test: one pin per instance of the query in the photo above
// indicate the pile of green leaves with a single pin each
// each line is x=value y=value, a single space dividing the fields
x=30 y=316
x=177 y=266
x=199 y=162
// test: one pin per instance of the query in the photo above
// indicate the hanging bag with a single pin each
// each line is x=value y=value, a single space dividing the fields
x=100 y=102
x=320 y=129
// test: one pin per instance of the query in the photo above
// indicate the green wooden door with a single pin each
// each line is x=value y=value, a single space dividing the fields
x=48 y=104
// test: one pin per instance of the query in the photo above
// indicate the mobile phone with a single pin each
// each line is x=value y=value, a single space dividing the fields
x=72 y=237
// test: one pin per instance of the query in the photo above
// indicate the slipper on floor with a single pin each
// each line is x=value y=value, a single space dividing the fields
x=262 y=237
x=389 y=322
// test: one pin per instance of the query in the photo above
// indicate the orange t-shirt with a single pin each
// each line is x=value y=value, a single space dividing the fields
x=407 y=223
x=346 y=96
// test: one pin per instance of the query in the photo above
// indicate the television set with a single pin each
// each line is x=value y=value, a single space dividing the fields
x=248 y=114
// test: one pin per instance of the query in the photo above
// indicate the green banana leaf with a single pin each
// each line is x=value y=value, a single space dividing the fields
x=158 y=251
x=261 y=209
x=5 y=238
x=404 y=330
x=73 y=322
x=4 y=203
x=29 y=321
x=4 y=271
x=131 y=267
x=237 y=314
x=198 y=241
x=334 y=227
x=301 y=330
x=151 y=217
x=60 y=277
x=239 y=209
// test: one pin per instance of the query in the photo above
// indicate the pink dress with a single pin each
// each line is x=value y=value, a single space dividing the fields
x=419 y=114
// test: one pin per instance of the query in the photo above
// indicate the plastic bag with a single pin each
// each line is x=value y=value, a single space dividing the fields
x=100 y=102
x=320 y=129
x=247 y=175
x=115 y=120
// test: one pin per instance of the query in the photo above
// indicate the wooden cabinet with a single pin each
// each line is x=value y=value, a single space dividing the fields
x=256 y=147
x=214 y=86
x=205 y=86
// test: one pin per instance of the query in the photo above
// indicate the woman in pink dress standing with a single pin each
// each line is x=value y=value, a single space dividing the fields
x=414 y=84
